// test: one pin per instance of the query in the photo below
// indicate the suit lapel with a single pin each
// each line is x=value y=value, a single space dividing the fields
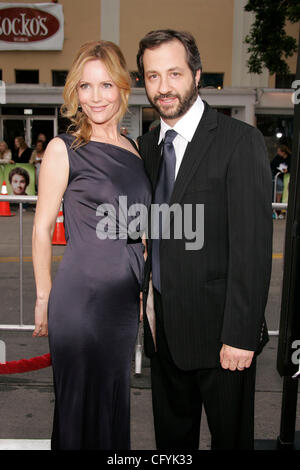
x=155 y=154
x=195 y=152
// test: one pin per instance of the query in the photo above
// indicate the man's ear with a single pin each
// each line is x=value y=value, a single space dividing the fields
x=197 y=77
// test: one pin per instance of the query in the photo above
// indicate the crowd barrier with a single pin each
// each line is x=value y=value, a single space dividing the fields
x=25 y=365
x=20 y=200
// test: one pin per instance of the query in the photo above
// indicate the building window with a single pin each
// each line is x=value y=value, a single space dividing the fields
x=27 y=76
x=212 y=80
x=35 y=111
x=0 y=74
x=136 y=80
x=285 y=81
x=59 y=77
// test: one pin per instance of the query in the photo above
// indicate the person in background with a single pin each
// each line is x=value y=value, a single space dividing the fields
x=22 y=152
x=154 y=124
x=124 y=131
x=36 y=158
x=281 y=164
x=5 y=153
x=42 y=137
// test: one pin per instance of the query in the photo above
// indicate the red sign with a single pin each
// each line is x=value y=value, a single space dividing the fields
x=26 y=25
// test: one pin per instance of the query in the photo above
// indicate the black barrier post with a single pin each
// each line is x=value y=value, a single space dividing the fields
x=286 y=439
x=289 y=330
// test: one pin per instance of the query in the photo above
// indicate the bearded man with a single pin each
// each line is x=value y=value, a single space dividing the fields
x=209 y=300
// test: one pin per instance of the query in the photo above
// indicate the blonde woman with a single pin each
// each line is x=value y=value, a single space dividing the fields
x=5 y=153
x=93 y=304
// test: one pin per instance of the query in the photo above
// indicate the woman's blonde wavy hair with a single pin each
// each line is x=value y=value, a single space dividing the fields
x=113 y=59
x=5 y=146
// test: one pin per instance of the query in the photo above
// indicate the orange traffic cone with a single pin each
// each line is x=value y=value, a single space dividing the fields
x=59 y=231
x=4 y=205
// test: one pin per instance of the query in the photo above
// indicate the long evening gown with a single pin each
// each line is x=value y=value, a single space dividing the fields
x=94 y=302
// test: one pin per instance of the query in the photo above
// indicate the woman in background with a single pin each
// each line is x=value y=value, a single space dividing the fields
x=5 y=153
x=22 y=152
x=36 y=158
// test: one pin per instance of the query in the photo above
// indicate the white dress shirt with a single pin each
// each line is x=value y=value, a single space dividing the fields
x=185 y=128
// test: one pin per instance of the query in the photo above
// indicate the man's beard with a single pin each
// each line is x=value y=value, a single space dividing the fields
x=184 y=102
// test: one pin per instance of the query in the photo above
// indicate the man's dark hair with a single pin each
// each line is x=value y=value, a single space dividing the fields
x=155 y=38
x=19 y=171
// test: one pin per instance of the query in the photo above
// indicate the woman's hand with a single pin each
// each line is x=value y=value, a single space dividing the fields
x=41 y=318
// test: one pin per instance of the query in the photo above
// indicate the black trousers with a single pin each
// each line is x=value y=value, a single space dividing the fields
x=178 y=397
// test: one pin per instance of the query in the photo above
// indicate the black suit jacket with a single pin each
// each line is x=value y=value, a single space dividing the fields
x=216 y=295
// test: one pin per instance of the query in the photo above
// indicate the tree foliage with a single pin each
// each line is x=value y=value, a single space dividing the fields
x=269 y=45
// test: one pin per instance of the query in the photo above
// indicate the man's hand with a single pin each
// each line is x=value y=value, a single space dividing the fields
x=234 y=358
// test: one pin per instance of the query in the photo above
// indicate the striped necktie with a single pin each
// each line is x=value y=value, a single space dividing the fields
x=163 y=191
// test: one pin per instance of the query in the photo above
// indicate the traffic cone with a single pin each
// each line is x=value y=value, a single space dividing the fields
x=59 y=231
x=4 y=205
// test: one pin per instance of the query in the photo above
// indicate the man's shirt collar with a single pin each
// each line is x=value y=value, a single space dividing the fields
x=187 y=125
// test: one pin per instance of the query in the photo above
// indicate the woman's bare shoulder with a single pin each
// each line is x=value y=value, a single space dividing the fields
x=56 y=147
x=57 y=142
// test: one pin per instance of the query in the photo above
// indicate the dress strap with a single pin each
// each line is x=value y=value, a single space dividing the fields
x=132 y=142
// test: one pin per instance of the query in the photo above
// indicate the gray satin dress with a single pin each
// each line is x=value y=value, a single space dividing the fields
x=94 y=302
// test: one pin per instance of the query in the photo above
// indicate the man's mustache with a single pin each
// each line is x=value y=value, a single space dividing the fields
x=167 y=95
